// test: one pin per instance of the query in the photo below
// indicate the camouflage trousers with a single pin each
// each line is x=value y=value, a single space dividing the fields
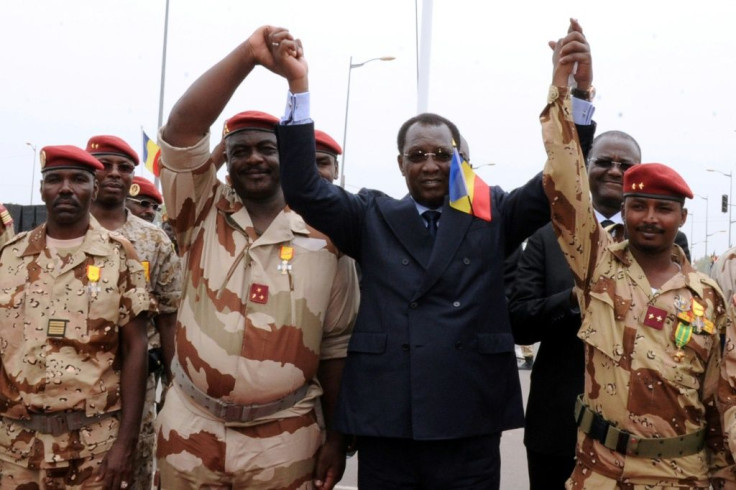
x=195 y=450
x=143 y=464
x=584 y=478
x=72 y=474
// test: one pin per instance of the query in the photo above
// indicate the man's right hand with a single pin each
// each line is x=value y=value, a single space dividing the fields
x=569 y=50
x=288 y=56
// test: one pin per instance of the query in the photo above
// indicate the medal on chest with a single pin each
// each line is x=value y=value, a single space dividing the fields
x=285 y=254
x=93 y=280
x=691 y=319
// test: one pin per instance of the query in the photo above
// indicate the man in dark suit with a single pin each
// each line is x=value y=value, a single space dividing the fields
x=431 y=379
x=543 y=308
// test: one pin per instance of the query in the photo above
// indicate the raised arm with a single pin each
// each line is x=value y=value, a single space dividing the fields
x=565 y=177
x=199 y=107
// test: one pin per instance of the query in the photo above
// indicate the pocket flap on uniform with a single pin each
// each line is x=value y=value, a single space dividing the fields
x=495 y=343
x=370 y=343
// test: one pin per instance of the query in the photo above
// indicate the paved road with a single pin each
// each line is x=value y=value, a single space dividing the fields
x=513 y=456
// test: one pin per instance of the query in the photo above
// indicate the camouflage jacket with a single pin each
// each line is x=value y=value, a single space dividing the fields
x=59 y=339
x=631 y=376
x=160 y=264
x=257 y=313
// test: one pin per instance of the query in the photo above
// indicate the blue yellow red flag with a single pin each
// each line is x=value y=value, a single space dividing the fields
x=151 y=155
x=468 y=192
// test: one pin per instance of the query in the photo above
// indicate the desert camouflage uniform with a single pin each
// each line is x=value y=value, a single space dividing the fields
x=6 y=226
x=78 y=370
x=248 y=332
x=631 y=377
x=156 y=254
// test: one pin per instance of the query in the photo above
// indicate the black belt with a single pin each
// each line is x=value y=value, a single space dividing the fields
x=601 y=430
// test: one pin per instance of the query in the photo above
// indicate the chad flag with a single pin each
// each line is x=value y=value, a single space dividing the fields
x=468 y=192
x=151 y=154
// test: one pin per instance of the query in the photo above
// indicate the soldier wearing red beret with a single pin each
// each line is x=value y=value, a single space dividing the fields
x=144 y=200
x=658 y=397
x=266 y=309
x=73 y=381
x=160 y=262
x=327 y=150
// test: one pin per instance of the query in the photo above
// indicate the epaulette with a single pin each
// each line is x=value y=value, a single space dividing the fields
x=5 y=217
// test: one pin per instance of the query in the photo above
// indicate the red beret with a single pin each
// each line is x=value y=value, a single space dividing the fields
x=111 y=145
x=249 y=120
x=68 y=156
x=144 y=187
x=325 y=143
x=657 y=181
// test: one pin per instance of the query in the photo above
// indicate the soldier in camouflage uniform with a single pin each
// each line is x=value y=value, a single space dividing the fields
x=6 y=226
x=144 y=200
x=73 y=307
x=162 y=270
x=266 y=310
x=650 y=326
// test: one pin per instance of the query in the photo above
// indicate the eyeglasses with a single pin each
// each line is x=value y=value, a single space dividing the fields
x=608 y=164
x=419 y=156
x=146 y=203
x=123 y=168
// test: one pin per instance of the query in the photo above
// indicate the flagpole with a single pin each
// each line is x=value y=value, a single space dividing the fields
x=156 y=182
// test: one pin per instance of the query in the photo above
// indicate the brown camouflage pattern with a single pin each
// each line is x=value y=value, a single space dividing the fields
x=164 y=283
x=631 y=377
x=724 y=272
x=75 y=474
x=232 y=347
x=79 y=371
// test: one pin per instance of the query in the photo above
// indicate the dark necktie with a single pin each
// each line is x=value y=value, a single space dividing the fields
x=606 y=223
x=431 y=217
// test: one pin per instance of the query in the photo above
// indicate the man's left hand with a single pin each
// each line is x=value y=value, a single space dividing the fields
x=330 y=464
x=116 y=470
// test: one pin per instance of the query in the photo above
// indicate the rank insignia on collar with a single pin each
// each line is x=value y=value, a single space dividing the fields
x=258 y=293
x=655 y=317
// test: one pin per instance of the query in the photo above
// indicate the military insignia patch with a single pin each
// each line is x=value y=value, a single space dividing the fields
x=56 y=327
x=135 y=189
x=42 y=159
x=147 y=269
x=258 y=293
x=655 y=317
x=5 y=216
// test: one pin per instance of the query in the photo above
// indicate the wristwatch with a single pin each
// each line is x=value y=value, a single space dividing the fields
x=588 y=95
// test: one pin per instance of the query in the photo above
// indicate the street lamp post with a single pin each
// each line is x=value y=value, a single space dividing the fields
x=33 y=168
x=730 y=198
x=347 y=106
x=690 y=217
x=706 y=223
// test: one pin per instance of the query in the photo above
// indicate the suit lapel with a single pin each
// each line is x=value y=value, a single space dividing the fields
x=408 y=227
x=451 y=232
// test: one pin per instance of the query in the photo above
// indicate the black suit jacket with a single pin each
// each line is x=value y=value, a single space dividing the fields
x=432 y=354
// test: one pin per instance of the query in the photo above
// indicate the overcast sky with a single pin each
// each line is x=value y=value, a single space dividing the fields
x=665 y=72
